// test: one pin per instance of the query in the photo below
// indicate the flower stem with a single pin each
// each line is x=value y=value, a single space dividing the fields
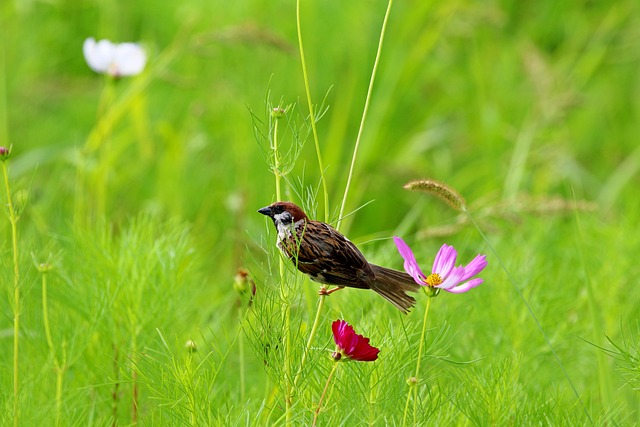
x=312 y=116
x=59 y=366
x=276 y=159
x=312 y=335
x=284 y=294
x=287 y=361
x=13 y=219
x=241 y=355
x=414 y=384
x=193 y=418
x=134 y=376
x=60 y=369
x=116 y=386
x=4 y=35
x=324 y=392
x=45 y=315
x=364 y=113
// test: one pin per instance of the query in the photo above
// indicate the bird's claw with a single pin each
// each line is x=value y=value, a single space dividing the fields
x=326 y=292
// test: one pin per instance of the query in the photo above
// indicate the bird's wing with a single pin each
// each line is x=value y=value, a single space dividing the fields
x=328 y=257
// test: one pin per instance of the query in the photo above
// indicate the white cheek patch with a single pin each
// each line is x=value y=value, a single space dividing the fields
x=283 y=224
x=283 y=218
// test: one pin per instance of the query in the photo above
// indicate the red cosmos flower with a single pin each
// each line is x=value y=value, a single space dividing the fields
x=351 y=345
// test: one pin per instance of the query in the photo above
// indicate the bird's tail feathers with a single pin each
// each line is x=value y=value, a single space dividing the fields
x=392 y=285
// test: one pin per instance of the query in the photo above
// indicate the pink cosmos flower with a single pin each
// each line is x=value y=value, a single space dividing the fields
x=351 y=345
x=444 y=274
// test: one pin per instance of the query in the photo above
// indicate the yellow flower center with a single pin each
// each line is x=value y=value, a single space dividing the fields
x=433 y=280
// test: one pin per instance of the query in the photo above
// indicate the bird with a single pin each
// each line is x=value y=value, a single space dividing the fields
x=328 y=257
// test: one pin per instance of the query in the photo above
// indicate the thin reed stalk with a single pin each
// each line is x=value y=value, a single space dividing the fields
x=364 y=114
x=13 y=219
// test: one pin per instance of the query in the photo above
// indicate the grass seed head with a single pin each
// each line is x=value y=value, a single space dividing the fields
x=440 y=190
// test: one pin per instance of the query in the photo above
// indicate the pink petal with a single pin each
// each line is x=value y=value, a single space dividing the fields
x=474 y=267
x=452 y=279
x=465 y=286
x=445 y=260
x=410 y=263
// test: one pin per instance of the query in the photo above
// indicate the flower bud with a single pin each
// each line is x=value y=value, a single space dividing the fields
x=4 y=153
x=191 y=346
x=241 y=281
x=431 y=291
x=244 y=286
x=278 y=112
x=44 y=267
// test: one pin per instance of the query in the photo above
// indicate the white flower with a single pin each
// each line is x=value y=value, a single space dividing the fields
x=117 y=60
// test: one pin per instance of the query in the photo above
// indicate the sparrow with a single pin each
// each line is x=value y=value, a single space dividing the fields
x=328 y=257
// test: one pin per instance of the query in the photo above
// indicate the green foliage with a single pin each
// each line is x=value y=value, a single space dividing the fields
x=141 y=193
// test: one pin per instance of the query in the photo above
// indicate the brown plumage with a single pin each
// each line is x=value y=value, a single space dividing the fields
x=326 y=256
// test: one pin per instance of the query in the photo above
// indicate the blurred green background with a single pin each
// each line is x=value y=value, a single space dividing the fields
x=522 y=107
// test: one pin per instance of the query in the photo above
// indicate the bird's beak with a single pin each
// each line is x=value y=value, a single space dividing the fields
x=265 y=211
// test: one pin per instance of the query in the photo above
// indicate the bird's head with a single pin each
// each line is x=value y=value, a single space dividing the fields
x=283 y=213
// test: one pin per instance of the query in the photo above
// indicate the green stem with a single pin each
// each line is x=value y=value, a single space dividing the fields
x=312 y=117
x=312 y=335
x=4 y=35
x=13 y=219
x=287 y=361
x=60 y=370
x=241 y=356
x=79 y=205
x=324 y=392
x=284 y=294
x=134 y=375
x=60 y=367
x=414 y=384
x=276 y=159
x=59 y=380
x=45 y=315
x=116 y=386
x=192 y=398
x=364 y=113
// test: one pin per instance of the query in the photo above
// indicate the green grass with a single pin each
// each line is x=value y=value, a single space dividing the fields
x=136 y=203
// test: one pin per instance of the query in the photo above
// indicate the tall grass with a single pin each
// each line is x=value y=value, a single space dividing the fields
x=141 y=212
